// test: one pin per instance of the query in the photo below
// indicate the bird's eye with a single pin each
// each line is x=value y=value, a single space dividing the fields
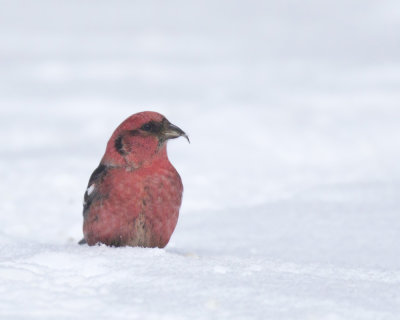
x=147 y=126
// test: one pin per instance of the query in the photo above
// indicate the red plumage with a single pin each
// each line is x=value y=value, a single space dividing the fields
x=134 y=195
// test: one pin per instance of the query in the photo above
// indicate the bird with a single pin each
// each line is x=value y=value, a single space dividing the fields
x=134 y=195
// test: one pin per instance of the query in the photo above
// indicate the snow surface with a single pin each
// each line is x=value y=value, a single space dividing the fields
x=292 y=180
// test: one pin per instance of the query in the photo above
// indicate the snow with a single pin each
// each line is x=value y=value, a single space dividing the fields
x=292 y=178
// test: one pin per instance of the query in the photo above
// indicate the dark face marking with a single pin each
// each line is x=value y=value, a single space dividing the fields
x=149 y=128
x=119 y=146
x=152 y=127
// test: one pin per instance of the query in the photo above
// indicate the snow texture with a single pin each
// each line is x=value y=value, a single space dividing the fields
x=292 y=178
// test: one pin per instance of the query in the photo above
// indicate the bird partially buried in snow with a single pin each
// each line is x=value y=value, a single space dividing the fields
x=134 y=195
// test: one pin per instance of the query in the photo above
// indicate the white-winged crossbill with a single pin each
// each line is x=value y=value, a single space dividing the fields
x=134 y=195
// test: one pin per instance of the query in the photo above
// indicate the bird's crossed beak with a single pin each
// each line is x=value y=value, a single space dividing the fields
x=171 y=131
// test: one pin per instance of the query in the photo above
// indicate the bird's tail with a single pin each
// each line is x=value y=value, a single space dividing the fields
x=83 y=241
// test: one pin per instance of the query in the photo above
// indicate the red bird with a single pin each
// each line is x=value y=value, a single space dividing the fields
x=134 y=195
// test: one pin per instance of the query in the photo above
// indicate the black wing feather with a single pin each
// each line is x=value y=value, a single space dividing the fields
x=97 y=177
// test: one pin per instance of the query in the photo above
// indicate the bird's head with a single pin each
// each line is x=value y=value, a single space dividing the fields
x=140 y=139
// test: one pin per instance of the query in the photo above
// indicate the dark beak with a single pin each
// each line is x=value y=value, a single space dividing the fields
x=171 y=131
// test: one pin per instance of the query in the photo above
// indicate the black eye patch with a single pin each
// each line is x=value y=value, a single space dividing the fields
x=151 y=126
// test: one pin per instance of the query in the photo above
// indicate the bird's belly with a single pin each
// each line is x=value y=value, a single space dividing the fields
x=138 y=212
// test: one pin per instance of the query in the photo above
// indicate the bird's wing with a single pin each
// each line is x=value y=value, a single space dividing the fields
x=92 y=191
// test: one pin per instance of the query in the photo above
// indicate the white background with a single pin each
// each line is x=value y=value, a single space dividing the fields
x=292 y=180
